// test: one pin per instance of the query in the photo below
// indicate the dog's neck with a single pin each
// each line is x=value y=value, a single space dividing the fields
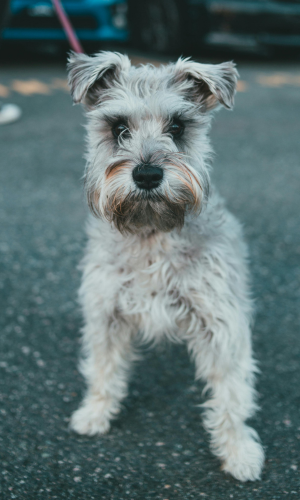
x=146 y=241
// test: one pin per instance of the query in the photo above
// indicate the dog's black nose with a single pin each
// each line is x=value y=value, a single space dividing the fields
x=147 y=176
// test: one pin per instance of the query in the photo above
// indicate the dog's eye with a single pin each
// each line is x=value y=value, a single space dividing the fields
x=120 y=129
x=176 y=129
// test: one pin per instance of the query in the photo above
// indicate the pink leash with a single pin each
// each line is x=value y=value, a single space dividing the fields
x=67 y=26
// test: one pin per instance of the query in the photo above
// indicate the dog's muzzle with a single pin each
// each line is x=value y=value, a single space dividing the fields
x=147 y=176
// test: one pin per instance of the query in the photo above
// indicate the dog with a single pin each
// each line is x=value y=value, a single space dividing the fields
x=164 y=258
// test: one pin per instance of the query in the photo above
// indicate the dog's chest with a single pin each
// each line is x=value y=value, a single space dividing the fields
x=158 y=289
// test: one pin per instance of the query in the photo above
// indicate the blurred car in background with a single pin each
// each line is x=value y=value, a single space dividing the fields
x=180 y=25
x=93 y=20
x=163 y=26
x=266 y=23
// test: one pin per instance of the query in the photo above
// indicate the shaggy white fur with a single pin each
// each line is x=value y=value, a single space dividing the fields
x=168 y=261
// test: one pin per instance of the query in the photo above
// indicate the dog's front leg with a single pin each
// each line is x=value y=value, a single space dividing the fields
x=224 y=361
x=107 y=357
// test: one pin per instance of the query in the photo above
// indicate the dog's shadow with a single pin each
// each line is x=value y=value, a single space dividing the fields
x=162 y=386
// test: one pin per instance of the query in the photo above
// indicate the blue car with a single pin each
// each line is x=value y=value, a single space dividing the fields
x=93 y=20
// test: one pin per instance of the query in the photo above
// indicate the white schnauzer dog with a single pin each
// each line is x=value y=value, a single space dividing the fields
x=164 y=257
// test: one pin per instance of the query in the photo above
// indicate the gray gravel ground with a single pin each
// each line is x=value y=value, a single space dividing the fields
x=157 y=449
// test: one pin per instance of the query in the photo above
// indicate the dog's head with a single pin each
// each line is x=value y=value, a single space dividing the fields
x=147 y=136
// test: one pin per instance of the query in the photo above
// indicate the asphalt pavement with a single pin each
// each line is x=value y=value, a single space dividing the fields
x=157 y=448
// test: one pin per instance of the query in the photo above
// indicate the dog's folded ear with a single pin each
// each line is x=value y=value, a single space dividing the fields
x=89 y=76
x=213 y=84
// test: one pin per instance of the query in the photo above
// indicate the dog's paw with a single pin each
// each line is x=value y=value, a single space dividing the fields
x=245 y=460
x=93 y=417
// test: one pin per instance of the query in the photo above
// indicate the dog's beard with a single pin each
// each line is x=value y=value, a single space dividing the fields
x=163 y=209
x=138 y=212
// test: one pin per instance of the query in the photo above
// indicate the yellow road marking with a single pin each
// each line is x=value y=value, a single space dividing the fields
x=278 y=80
x=241 y=86
x=60 y=83
x=30 y=87
x=34 y=86
x=136 y=60
x=4 y=91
